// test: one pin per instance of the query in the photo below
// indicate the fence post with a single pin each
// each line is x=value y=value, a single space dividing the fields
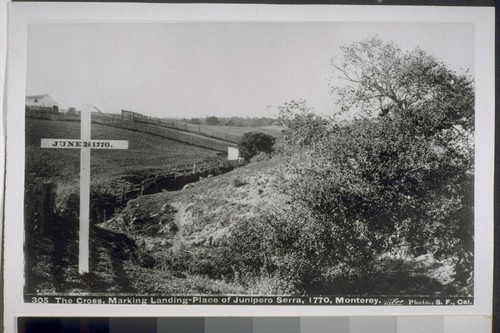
x=123 y=194
x=48 y=203
x=29 y=201
x=40 y=203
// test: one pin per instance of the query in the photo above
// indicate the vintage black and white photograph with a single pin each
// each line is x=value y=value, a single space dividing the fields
x=247 y=163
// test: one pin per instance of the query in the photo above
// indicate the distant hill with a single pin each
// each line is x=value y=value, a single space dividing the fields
x=274 y=130
x=253 y=122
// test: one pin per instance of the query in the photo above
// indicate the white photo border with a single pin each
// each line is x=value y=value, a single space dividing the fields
x=21 y=15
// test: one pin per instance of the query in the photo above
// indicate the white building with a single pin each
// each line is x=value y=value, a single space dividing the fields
x=42 y=101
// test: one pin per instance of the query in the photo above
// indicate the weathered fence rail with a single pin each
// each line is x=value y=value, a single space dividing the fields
x=47 y=114
x=196 y=129
x=180 y=174
x=187 y=137
x=40 y=195
x=182 y=126
x=118 y=121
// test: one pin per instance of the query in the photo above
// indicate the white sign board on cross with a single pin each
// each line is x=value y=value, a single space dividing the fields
x=84 y=144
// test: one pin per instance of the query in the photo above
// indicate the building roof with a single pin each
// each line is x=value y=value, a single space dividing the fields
x=36 y=96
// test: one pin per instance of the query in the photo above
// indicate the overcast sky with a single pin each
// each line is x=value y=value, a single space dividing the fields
x=222 y=69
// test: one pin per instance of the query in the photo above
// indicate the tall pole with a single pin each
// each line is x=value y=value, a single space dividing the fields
x=83 y=256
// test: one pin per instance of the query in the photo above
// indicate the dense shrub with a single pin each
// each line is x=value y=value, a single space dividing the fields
x=212 y=121
x=253 y=143
x=260 y=157
x=246 y=247
x=400 y=174
x=303 y=128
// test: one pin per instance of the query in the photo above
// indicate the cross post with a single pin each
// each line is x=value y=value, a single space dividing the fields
x=85 y=144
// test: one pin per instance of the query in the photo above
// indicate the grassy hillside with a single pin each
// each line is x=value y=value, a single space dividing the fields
x=181 y=230
x=191 y=241
x=159 y=243
x=51 y=260
x=146 y=152
x=202 y=212
x=200 y=235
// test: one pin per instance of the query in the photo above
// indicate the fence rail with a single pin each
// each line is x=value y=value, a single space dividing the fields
x=197 y=129
x=183 y=171
x=118 y=121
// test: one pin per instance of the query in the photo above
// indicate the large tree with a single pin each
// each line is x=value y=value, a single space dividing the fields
x=400 y=176
x=420 y=152
x=212 y=120
x=382 y=79
x=303 y=128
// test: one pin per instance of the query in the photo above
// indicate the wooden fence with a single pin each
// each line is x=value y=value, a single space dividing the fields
x=40 y=195
x=39 y=202
x=48 y=115
x=42 y=108
x=187 y=137
x=118 y=121
x=178 y=175
x=181 y=126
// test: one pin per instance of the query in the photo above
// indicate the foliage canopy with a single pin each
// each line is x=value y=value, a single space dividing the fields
x=382 y=79
x=398 y=178
x=252 y=143
x=212 y=120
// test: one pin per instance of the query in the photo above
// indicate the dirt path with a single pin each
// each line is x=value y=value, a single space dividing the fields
x=179 y=240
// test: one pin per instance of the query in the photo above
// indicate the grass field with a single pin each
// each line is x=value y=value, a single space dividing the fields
x=145 y=151
x=146 y=154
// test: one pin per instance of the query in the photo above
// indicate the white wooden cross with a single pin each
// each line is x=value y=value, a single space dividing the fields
x=84 y=144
